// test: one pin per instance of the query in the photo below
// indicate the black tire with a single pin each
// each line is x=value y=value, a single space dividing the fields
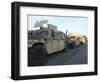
x=37 y=55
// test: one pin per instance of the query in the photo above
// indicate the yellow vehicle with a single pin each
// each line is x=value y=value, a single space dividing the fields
x=43 y=41
x=74 y=39
x=83 y=40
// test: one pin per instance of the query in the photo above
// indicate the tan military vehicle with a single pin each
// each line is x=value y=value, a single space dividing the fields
x=45 y=40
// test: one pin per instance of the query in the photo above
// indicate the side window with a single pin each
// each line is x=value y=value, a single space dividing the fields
x=62 y=36
x=44 y=34
x=55 y=35
x=58 y=35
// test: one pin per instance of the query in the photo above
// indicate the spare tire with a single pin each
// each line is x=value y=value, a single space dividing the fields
x=37 y=55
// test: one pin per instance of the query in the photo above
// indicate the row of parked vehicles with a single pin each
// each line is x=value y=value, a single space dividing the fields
x=76 y=39
x=47 y=40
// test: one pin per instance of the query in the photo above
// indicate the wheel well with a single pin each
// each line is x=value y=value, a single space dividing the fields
x=40 y=44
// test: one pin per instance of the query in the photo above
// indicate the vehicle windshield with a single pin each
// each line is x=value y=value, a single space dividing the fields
x=44 y=34
x=33 y=34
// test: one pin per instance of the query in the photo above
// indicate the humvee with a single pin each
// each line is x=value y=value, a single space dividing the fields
x=45 y=40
